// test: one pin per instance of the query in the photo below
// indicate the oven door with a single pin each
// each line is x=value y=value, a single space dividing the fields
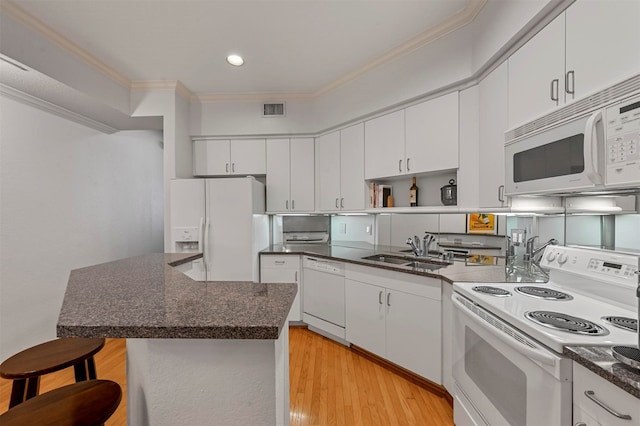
x=502 y=376
x=563 y=159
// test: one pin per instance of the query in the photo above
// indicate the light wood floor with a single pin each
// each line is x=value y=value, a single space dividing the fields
x=330 y=385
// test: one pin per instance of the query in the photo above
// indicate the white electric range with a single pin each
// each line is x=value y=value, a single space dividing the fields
x=508 y=337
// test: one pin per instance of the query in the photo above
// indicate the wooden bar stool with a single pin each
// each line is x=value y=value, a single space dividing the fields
x=26 y=367
x=90 y=402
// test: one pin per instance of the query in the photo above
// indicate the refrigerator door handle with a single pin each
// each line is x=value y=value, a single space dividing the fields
x=205 y=253
x=201 y=235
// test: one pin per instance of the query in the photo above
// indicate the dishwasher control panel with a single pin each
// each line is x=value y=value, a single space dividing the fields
x=324 y=265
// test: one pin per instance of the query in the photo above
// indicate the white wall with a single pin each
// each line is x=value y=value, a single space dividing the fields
x=69 y=197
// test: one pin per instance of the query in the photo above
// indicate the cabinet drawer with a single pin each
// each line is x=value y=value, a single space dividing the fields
x=606 y=392
x=279 y=262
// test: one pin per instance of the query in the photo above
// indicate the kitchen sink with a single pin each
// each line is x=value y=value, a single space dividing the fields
x=424 y=265
x=403 y=261
x=387 y=259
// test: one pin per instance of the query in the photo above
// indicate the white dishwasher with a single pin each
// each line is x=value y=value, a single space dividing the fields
x=323 y=296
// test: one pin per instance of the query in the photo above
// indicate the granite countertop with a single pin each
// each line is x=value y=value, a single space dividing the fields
x=146 y=297
x=477 y=268
x=600 y=360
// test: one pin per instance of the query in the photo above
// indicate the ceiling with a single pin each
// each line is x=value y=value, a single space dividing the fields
x=303 y=47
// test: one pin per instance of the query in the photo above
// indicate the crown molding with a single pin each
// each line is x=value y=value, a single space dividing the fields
x=37 y=25
x=456 y=21
x=43 y=105
x=151 y=85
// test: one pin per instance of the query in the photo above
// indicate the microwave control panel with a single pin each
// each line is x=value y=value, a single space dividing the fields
x=622 y=147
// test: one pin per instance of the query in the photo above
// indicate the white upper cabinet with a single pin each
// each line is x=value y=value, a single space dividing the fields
x=492 y=123
x=421 y=138
x=352 y=186
x=602 y=43
x=384 y=146
x=591 y=45
x=340 y=162
x=216 y=157
x=536 y=75
x=290 y=175
x=431 y=135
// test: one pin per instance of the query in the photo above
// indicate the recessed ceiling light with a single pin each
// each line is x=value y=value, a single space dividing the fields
x=235 y=60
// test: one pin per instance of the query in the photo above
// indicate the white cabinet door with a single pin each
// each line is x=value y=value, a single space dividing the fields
x=278 y=174
x=494 y=111
x=283 y=269
x=211 y=157
x=536 y=74
x=447 y=340
x=328 y=151
x=352 y=186
x=601 y=43
x=384 y=146
x=302 y=175
x=414 y=333
x=365 y=316
x=432 y=135
x=248 y=157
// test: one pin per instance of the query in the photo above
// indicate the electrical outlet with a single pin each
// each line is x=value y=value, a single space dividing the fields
x=343 y=228
x=517 y=236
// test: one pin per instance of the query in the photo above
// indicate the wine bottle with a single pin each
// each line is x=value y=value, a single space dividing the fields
x=413 y=194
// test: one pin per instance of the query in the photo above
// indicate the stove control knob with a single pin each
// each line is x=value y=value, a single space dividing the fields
x=551 y=256
x=562 y=258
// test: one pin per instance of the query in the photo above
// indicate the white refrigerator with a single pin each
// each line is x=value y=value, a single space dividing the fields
x=224 y=219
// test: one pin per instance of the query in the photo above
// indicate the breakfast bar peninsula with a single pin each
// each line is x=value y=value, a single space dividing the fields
x=197 y=352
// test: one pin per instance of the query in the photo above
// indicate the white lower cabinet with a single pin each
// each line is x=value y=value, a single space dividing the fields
x=283 y=269
x=395 y=316
x=596 y=401
x=447 y=338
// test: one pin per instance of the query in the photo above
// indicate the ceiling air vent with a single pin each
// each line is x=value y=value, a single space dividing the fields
x=273 y=110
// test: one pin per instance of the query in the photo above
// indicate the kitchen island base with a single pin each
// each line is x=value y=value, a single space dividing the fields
x=208 y=381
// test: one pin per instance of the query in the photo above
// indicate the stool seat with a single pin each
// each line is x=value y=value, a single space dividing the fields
x=90 y=402
x=26 y=367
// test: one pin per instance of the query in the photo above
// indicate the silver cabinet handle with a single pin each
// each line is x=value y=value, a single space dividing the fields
x=380 y=297
x=233 y=167
x=342 y=203
x=286 y=205
x=400 y=166
x=501 y=193
x=554 y=92
x=293 y=204
x=226 y=168
x=408 y=168
x=592 y=396
x=580 y=424
x=388 y=299
x=337 y=205
x=279 y=262
x=296 y=276
x=571 y=91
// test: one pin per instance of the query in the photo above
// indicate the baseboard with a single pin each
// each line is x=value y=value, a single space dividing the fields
x=427 y=384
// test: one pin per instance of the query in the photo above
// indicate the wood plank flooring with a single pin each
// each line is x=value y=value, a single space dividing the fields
x=330 y=385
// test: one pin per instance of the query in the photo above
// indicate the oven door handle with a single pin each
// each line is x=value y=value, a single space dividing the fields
x=505 y=338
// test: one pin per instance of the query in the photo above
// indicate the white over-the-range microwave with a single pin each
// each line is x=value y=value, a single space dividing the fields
x=590 y=145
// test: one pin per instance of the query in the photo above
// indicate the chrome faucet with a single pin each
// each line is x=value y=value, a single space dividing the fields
x=531 y=253
x=426 y=242
x=414 y=243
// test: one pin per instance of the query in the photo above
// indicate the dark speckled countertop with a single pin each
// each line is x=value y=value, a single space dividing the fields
x=600 y=360
x=146 y=297
x=469 y=270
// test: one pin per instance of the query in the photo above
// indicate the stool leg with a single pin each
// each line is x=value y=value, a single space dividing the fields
x=91 y=368
x=23 y=389
x=80 y=370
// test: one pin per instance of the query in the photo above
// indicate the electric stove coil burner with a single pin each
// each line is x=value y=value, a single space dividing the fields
x=564 y=322
x=543 y=293
x=629 y=324
x=493 y=291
